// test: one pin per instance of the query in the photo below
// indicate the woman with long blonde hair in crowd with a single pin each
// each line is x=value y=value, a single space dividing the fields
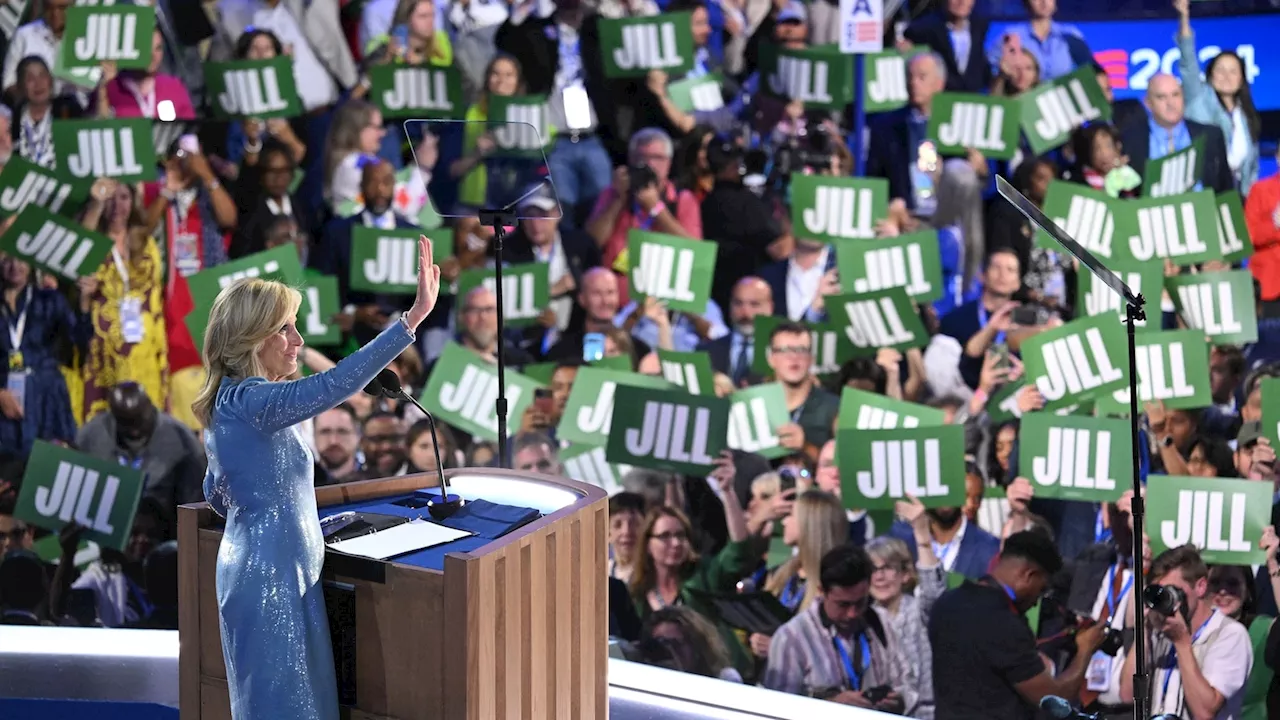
x=275 y=633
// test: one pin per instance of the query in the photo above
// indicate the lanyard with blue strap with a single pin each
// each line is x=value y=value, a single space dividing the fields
x=983 y=319
x=1100 y=534
x=1171 y=660
x=851 y=672
x=1113 y=599
x=792 y=592
x=144 y=606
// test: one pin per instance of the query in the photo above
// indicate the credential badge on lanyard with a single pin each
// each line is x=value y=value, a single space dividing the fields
x=130 y=307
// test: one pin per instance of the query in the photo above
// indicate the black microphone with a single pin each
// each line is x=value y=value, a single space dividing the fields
x=1057 y=708
x=448 y=504
x=375 y=388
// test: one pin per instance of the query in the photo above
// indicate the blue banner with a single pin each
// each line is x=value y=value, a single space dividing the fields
x=1134 y=50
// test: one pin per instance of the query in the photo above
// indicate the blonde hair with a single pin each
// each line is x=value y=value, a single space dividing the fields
x=823 y=526
x=244 y=315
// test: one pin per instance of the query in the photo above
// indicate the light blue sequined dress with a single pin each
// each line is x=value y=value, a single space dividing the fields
x=275 y=635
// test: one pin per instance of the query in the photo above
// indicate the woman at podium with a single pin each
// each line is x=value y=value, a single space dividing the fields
x=275 y=634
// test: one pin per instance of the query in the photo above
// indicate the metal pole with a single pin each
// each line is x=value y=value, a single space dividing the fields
x=1141 y=697
x=859 y=116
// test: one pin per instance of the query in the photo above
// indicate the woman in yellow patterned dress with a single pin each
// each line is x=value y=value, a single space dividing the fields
x=127 y=311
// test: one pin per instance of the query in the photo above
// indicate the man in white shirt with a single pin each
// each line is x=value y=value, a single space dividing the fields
x=1200 y=659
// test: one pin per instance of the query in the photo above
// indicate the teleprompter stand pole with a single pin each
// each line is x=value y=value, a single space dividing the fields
x=1134 y=313
x=499 y=220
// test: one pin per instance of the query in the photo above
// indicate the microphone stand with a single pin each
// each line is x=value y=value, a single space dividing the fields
x=448 y=504
x=1134 y=311
x=499 y=220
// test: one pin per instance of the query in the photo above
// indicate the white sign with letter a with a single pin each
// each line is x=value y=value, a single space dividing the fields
x=861 y=26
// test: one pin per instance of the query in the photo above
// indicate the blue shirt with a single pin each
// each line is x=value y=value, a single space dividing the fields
x=683 y=335
x=1053 y=54
x=925 y=195
x=1161 y=138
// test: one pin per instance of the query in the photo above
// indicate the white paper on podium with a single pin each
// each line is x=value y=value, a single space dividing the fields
x=404 y=538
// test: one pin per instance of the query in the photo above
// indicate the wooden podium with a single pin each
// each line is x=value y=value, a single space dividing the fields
x=526 y=632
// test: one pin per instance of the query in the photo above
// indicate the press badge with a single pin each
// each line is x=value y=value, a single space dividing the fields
x=131 y=320
x=1099 y=674
x=186 y=256
x=17 y=386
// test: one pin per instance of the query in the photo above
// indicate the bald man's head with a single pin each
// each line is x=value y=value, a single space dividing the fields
x=134 y=413
x=599 y=294
x=751 y=297
x=1164 y=100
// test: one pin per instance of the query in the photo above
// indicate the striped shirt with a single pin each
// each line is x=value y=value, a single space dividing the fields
x=803 y=660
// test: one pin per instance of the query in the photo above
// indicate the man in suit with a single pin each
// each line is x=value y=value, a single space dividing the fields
x=958 y=545
x=959 y=39
x=797 y=282
x=365 y=313
x=1167 y=131
x=568 y=254
x=900 y=150
x=734 y=353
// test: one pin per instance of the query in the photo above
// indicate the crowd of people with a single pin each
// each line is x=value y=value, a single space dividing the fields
x=920 y=612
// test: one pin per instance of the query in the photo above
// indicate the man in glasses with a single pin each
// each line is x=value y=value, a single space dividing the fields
x=812 y=409
x=838 y=649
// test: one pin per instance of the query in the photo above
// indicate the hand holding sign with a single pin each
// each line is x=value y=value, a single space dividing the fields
x=1019 y=493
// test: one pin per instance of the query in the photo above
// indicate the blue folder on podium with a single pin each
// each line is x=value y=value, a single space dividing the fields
x=486 y=520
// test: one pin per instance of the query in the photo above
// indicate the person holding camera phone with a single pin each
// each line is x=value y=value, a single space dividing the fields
x=1199 y=659
x=839 y=648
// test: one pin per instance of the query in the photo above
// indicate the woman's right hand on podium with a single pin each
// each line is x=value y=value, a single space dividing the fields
x=428 y=284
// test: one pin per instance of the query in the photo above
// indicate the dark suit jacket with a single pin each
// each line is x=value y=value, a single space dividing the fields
x=1217 y=173
x=721 y=350
x=977 y=548
x=889 y=155
x=775 y=273
x=253 y=223
x=931 y=30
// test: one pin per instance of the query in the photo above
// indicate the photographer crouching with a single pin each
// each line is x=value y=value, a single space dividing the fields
x=1199 y=658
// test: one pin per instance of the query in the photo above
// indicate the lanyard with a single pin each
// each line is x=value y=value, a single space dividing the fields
x=983 y=320
x=16 y=331
x=1100 y=534
x=146 y=103
x=792 y=593
x=120 y=268
x=662 y=602
x=1112 y=598
x=37 y=137
x=851 y=672
x=1172 y=659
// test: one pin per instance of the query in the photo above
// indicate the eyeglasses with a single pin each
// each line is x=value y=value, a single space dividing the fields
x=667 y=537
x=483 y=310
x=281 y=170
x=884 y=568
x=791 y=350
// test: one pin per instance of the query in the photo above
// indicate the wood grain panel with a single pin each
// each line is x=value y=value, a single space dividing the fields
x=513 y=630
x=188 y=614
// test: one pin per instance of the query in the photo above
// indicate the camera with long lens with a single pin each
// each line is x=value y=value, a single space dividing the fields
x=1166 y=600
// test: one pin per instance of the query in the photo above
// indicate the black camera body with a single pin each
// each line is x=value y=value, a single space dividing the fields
x=1031 y=315
x=1166 y=600
x=641 y=176
x=1112 y=641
